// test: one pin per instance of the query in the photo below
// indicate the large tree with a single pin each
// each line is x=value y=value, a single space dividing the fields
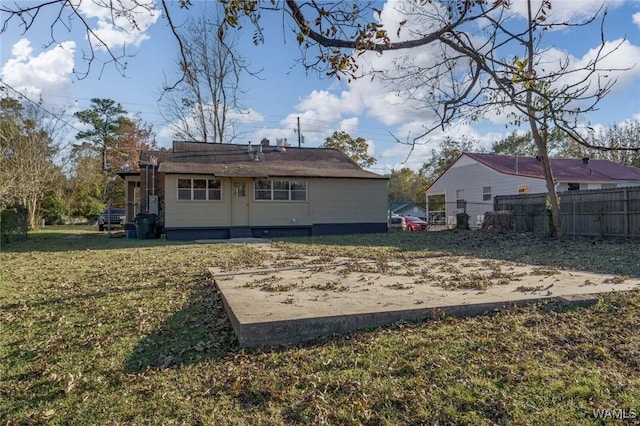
x=407 y=185
x=356 y=148
x=101 y=134
x=202 y=105
x=28 y=146
x=86 y=186
x=447 y=152
x=558 y=144
x=134 y=136
x=111 y=142
x=623 y=135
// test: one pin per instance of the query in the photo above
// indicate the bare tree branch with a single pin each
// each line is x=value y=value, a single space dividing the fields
x=68 y=11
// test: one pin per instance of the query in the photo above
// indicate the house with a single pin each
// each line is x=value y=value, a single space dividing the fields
x=203 y=190
x=470 y=183
x=407 y=208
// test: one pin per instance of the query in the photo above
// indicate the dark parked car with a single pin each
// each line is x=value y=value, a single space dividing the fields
x=413 y=223
x=112 y=218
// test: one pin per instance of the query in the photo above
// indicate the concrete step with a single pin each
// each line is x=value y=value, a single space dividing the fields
x=240 y=233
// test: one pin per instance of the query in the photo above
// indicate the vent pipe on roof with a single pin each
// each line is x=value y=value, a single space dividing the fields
x=585 y=160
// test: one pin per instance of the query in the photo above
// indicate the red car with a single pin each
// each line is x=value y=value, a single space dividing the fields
x=413 y=223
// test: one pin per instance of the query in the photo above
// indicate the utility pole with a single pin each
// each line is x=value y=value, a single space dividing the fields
x=299 y=134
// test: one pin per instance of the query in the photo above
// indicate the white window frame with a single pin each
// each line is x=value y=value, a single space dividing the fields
x=461 y=203
x=193 y=189
x=280 y=190
x=486 y=193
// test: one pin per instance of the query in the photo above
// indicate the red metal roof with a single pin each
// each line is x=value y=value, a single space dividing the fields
x=564 y=169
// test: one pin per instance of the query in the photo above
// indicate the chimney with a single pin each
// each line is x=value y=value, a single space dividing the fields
x=264 y=142
x=585 y=160
x=249 y=147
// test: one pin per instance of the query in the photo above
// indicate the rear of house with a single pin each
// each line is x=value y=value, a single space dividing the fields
x=206 y=191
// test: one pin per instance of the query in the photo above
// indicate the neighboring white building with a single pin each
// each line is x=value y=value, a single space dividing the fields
x=471 y=182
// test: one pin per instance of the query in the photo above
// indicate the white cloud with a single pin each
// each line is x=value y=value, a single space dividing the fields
x=22 y=49
x=168 y=132
x=350 y=126
x=165 y=135
x=246 y=116
x=126 y=25
x=636 y=18
x=620 y=63
x=44 y=75
x=371 y=148
x=328 y=106
x=567 y=11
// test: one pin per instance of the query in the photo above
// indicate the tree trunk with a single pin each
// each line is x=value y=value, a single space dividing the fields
x=555 y=230
x=541 y=138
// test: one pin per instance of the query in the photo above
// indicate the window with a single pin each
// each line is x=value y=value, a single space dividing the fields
x=199 y=190
x=263 y=190
x=280 y=190
x=573 y=186
x=486 y=193
x=239 y=189
x=460 y=202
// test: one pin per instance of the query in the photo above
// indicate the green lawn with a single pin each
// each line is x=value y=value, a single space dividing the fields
x=97 y=330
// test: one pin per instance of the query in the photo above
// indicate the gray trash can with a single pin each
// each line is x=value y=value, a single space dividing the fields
x=145 y=225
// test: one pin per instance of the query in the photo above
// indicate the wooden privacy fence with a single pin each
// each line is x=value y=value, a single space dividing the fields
x=603 y=213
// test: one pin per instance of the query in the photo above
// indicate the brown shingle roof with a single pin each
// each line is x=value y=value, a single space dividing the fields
x=564 y=169
x=228 y=160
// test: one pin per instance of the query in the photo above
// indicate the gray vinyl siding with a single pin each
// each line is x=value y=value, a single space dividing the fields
x=471 y=176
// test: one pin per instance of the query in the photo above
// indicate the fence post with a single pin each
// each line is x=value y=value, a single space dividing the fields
x=574 y=218
x=625 y=204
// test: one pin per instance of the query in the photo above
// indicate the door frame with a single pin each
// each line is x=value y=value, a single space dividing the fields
x=240 y=204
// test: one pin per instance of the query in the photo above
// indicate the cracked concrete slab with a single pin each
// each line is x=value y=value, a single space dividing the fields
x=298 y=298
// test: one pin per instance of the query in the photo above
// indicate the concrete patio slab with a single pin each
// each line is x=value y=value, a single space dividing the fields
x=304 y=299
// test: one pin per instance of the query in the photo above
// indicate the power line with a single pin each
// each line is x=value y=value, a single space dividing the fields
x=314 y=125
x=39 y=106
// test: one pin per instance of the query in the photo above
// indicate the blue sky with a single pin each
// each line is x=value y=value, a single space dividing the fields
x=285 y=90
